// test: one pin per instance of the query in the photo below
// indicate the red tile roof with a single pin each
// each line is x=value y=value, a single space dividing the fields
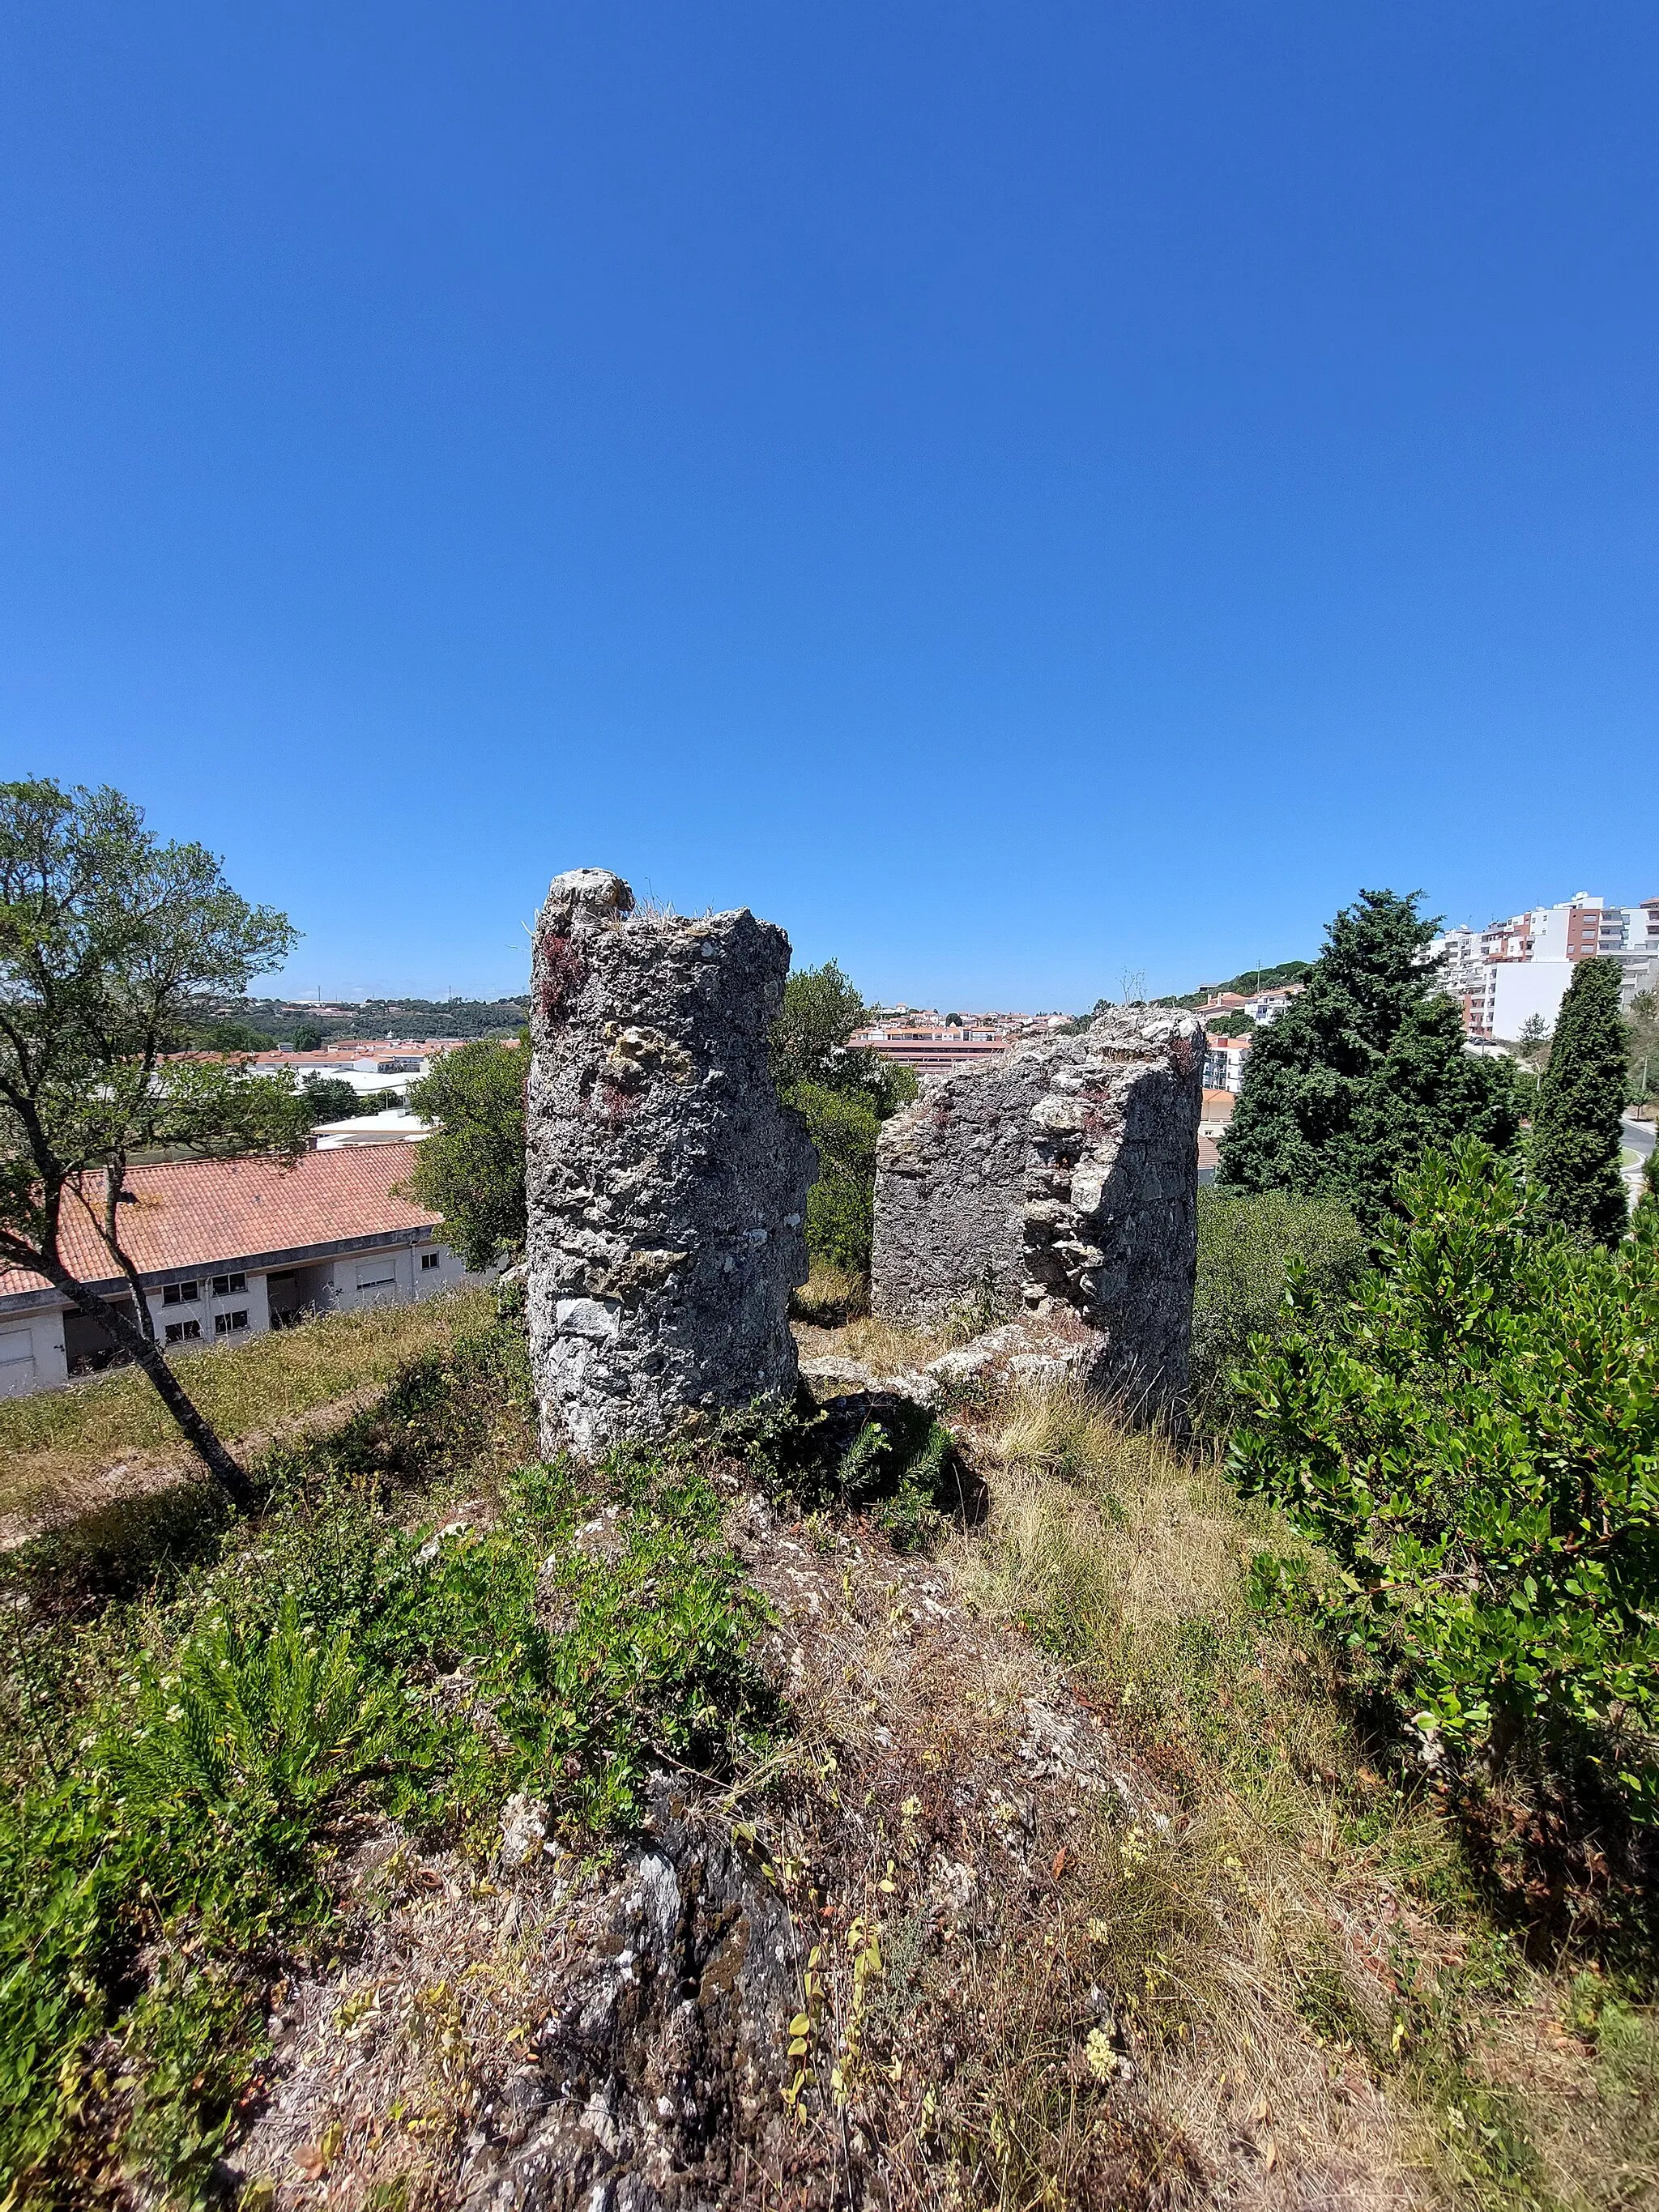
x=197 y=1213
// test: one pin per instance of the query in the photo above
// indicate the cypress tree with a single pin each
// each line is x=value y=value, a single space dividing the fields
x=1364 y=1070
x=1575 y=1131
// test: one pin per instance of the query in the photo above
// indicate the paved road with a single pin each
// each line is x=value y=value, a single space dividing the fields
x=1638 y=1135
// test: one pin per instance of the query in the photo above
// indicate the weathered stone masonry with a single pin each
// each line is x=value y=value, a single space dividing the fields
x=1061 y=1181
x=667 y=1184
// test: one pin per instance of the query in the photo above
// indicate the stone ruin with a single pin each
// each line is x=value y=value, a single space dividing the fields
x=667 y=1183
x=1059 y=1182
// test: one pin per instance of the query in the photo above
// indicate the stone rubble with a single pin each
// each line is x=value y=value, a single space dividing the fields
x=1060 y=1181
x=667 y=1183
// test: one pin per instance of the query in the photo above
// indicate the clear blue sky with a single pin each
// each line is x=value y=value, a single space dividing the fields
x=1012 y=492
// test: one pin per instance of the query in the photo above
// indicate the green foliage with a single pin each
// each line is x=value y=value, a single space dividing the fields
x=821 y=1010
x=844 y=1096
x=1476 y=1443
x=841 y=1206
x=225 y=1036
x=1643 y=1026
x=897 y=1464
x=308 y=1037
x=172 y=1785
x=1574 y=1155
x=1364 y=1072
x=1246 y=1240
x=331 y=1098
x=1230 y=1025
x=1252 y=979
x=471 y=1169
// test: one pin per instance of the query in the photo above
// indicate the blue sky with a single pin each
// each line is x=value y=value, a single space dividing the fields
x=1014 y=493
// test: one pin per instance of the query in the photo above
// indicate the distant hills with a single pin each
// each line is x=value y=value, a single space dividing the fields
x=278 y=1018
x=1251 y=981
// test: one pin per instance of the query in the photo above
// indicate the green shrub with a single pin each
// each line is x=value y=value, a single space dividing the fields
x=1245 y=1241
x=882 y=1456
x=1476 y=1443
x=841 y=1206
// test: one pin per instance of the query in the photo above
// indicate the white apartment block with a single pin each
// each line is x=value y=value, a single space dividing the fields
x=1513 y=971
x=1224 y=1062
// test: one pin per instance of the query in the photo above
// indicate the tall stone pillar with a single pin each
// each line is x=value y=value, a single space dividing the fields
x=667 y=1184
x=1061 y=1181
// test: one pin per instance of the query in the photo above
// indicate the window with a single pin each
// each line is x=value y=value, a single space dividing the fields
x=223 y=1286
x=184 y=1332
x=226 y=1324
x=180 y=1294
x=376 y=1275
x=428 y=1259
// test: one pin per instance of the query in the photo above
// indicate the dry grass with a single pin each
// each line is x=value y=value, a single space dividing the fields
x=830 y=1296
x=888 y=1349
x=57 y=1443
x=1339 y=2005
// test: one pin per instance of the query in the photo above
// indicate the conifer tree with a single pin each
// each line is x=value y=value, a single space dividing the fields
x=1575 y=1132
x=1365 y=1070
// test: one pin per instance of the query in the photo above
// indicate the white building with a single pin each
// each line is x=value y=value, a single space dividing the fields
x=1224 y=1062
x=1512 y=970
x=226 y=1248
x=396 y=1126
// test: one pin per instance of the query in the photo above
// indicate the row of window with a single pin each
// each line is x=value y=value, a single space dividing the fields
x=224 y=1324
x=186 y=1294
x=224 y=1286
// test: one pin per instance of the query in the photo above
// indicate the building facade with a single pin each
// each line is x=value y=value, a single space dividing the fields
x=226 y=1249
x=1224 y=1062
x=1519 y=969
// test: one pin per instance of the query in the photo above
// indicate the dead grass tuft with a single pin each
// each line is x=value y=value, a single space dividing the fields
x=830 y=1296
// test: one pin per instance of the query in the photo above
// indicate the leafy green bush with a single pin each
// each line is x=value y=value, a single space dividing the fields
x=841 y=1206
x=1476 y=1443
x=880 y=1454
x=1246 y=1239
x=471 y=1169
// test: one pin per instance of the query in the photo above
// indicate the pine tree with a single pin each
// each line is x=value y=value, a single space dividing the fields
x=1364 y=1070
x=1575 y=1132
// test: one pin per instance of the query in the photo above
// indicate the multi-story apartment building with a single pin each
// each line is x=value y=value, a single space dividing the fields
x=1261 y=1006
x=1224 y=1062
x=1512 y=970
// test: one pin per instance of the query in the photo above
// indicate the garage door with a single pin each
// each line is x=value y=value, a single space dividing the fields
x=16 y=1362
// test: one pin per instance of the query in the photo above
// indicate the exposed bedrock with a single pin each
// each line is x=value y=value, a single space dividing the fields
x=667 y=1183
x=1060 y=1181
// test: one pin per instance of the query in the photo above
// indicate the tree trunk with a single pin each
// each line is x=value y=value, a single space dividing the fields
x=196 y=1431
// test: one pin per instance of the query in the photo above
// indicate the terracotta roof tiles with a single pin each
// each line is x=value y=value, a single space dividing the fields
x=200 y=1213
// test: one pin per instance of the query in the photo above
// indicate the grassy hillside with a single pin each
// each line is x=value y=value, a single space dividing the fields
x=1094 y=1892
x=54 y=1444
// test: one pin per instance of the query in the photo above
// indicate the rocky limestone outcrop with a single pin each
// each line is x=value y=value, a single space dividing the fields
x=1058 y=1180
x=667 y=1183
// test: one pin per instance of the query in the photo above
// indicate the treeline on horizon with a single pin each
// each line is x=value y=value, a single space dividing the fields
x=283 y=1021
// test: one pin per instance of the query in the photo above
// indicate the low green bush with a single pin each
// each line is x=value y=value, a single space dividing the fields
x=1246 y=1239
x=1474 y=1440
x=880 y=1456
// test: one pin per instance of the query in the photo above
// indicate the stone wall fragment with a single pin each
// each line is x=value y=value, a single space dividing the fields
x=667 y=1183
x=1059 y=1180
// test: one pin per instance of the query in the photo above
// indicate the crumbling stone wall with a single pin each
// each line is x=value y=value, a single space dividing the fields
x=1059 y=1181
x=667 y=1185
